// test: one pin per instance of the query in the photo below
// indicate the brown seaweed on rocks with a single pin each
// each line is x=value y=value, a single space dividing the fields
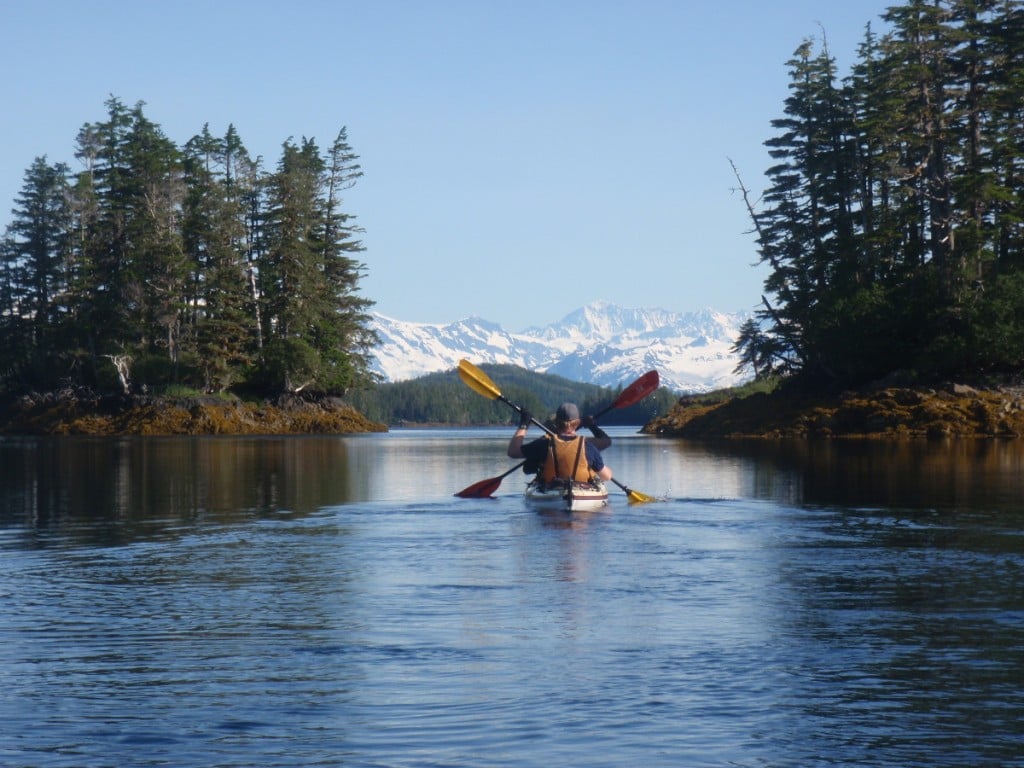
x=83 y=412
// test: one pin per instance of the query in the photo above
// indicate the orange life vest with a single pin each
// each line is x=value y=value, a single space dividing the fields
x=566 y=460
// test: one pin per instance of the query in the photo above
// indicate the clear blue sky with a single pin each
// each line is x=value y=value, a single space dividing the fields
x=521 y=159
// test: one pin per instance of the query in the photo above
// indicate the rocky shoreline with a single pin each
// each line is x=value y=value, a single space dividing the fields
x=950 y=410
x=87 y=413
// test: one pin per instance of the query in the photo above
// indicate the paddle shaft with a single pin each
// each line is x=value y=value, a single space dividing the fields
x=503 y=475
x=519 y=409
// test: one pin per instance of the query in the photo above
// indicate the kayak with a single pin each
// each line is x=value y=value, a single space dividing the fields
x=577 y=497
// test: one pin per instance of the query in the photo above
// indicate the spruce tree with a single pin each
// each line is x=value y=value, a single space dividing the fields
x=343 y=337
x=314 y=323
x=36 y=259
x=104 y=197
x=157 y=266
x=806 y=230
x=222 y=337
x=289 y=275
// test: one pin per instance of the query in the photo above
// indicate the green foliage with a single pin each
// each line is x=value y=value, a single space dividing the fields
x=892 y=218
x=219 y=176
x=188 y=265
x=442 y=398
x=990 y=335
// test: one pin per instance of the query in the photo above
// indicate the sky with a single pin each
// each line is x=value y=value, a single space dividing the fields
x=520 y=159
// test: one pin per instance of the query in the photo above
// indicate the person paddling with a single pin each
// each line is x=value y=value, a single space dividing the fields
x=565 y=455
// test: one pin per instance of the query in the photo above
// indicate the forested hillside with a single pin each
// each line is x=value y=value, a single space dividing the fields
x=154 y=264
x=893 y=220
x=442 y=398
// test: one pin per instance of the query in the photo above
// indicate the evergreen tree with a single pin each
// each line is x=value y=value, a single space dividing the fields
x=290 y=274
x=104 y=197
x=1002 y=134
x=157 y=266
x=215 y=237
x=15 y=330
x=892 y=220
x=130 y=262
x=35 y=256
x=314 y=323
x=921 y=52
x=806 y=231
x=343 y=336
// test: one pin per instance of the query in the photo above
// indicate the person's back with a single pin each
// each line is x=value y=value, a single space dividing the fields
x=566 y=459
x=564 y=455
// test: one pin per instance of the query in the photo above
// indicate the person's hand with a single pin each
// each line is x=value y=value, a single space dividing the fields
x=525 y=418
x=588 y=422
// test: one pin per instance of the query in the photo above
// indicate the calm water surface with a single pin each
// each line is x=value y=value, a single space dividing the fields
x=327 y=602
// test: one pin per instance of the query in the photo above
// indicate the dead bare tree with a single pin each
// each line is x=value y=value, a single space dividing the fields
x=123 y=365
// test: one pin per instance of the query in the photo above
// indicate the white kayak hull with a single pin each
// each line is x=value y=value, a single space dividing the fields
x=580 y=497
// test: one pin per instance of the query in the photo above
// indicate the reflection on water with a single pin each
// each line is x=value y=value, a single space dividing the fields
x=907 y=473
x=131 y=481
x=134 y=480
x=327 y=601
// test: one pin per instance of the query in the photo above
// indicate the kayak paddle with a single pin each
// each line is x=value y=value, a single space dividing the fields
x=481 y=383
x=634 y=393
x=484 y=488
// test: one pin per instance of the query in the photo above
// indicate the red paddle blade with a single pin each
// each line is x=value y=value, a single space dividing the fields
x=480 y=490
x=485 y=488
x=634 y=393
x=638 y=390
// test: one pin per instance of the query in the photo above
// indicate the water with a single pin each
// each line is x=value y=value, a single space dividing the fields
x=327 y=602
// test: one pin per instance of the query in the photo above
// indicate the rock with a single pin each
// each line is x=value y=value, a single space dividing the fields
x=962 y=390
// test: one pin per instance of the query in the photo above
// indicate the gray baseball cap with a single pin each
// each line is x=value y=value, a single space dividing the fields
x=567 y=412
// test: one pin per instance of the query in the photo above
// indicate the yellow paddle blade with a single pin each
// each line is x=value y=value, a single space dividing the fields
x=477 y=380
x=635 y=497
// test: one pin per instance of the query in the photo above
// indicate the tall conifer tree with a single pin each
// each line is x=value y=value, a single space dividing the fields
x=223 y=338
x=36 y=267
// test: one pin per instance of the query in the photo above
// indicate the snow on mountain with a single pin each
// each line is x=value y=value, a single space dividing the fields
x=601 y=343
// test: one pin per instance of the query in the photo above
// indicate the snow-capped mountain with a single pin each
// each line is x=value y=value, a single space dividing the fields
x=601 y=343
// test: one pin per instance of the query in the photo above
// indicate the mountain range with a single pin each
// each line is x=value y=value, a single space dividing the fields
x=601 y=343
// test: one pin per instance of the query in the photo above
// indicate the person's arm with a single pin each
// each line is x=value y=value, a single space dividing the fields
x=600 y=440
x=515 y=445
x=596 y=461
